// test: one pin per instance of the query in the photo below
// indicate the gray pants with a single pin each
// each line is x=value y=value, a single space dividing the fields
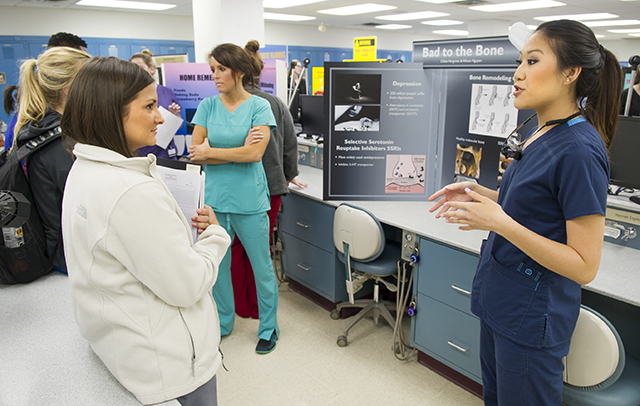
x=206 y=395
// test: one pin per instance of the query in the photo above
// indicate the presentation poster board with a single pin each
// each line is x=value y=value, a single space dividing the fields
x=379 y=131
x=476 y=106
x=268 y=78
x=191 y=83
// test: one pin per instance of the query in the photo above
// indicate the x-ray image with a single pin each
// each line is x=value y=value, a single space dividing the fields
x=357 y=118
x=357 y=89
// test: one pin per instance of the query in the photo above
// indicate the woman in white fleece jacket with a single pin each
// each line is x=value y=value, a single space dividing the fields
x=141 y=286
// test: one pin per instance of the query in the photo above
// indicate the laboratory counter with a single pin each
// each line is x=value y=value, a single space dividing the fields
x=617 y=277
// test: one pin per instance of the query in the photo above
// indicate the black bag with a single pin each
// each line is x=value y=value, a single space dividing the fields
x=23 y=250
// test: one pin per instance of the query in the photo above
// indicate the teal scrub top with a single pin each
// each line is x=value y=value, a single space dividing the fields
x=234 y=187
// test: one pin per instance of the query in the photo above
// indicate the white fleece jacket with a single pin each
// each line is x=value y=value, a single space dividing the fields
x=141 y=288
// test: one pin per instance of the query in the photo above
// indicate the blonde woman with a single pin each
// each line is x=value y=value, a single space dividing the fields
x=43 y=90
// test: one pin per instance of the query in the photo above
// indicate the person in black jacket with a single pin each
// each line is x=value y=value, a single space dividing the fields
x=43 y=88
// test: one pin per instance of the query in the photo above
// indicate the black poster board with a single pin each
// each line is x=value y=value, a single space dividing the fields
x=379 y=131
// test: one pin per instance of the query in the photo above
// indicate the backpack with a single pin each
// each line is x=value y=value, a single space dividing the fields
x=23 y=250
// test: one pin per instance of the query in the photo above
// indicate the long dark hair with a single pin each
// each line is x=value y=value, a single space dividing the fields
x=98 y=101
x=9 y=102
x=598 y=86
x=234 y=58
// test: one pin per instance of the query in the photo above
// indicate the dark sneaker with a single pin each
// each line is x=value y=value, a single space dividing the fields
x=266 y=346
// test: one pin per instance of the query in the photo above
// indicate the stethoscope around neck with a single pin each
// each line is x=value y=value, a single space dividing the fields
x=513 y=148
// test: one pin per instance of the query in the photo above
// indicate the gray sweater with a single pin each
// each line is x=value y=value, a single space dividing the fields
x=280 y=159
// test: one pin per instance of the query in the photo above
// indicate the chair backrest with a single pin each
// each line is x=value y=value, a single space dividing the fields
x=596 y=356
x=361 y=230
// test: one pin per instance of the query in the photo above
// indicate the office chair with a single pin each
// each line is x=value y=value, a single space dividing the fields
x=597 y=369
x=360 y=240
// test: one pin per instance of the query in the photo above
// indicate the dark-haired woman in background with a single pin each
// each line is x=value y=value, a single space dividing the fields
x=10 y=105
x=166 y=99
x=141 y=286
x=547 y=220
x=236 y=184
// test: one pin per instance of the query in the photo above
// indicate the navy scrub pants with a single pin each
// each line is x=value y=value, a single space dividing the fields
x=515 y=375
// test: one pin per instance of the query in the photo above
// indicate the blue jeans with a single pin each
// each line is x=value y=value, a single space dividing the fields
x=515 y=375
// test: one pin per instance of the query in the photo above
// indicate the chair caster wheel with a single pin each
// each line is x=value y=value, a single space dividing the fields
x=335 y=314
x=342 y=341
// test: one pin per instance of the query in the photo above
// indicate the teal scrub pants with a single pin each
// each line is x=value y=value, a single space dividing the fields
x=253 y=231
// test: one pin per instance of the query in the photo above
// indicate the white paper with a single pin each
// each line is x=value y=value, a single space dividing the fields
x=168 y=129
x=187 y=187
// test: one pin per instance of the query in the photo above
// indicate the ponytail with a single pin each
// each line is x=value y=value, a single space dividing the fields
x=33 y=104
x=602 y=105
x=598 y=86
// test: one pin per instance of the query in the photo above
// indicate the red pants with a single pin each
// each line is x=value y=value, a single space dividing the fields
x=244 y=284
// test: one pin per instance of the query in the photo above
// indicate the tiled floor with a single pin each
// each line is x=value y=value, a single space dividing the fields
x=308 y=368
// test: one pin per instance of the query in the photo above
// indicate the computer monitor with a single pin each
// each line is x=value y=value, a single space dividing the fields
x=624 y=153
x=312 y=114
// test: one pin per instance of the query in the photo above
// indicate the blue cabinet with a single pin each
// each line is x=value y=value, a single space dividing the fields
x=309 y=256
x=444 y=327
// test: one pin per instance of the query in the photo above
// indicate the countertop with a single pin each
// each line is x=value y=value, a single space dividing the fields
x=618 y=277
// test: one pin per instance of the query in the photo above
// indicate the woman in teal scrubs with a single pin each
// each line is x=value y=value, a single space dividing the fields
x=236 y=185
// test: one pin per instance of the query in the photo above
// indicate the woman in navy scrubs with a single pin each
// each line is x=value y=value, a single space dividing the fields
x=546 y=222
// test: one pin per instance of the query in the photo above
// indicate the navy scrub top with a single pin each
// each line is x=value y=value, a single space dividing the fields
x=562 y=175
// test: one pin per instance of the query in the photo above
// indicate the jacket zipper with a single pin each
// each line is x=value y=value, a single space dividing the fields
x=193 y=346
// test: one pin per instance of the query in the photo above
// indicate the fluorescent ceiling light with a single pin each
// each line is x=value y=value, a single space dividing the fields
x=286 y=17
x=412 y=16
x=443 y=22
x=635 y=35
x=578 y=17
x=599 y=35
x=439 y=1
x=519 y=5
x=459 y=33
x=357 y=9
x=287 y=3
x=393 y=26
x=626 y=31
x=136 y=5
x=611 y=23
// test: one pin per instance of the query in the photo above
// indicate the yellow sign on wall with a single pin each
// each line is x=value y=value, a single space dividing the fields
x=317 y=73
x=364 y=49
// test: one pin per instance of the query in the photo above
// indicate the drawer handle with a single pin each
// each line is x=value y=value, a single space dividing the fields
x=302 y=225
x=466 y=292
x=457 y=347
x=304 y=268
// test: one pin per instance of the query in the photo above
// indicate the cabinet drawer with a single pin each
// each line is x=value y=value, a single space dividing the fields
x=449 y=334
x=446 y=274
x=308 y=220
x=310 y=265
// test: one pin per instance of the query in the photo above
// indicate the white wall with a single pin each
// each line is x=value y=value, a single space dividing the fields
x=623 y=48
x=112 y=24
x=90 y=23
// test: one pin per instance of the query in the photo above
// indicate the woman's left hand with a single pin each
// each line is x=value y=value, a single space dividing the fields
x=175 y=108
x=204 y=218
x=198 y=153
x=481 y=213
x=255 y=135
